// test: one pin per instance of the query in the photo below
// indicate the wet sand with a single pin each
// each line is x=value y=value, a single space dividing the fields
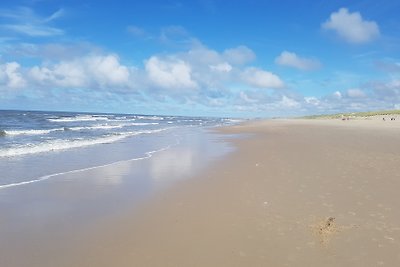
x=294 y=193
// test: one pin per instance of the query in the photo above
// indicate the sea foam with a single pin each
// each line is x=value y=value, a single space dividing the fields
x=78 y=118
x=32 y=132
x=55 y=145
x=146 y=155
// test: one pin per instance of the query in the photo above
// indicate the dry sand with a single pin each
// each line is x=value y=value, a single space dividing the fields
x=294 y=193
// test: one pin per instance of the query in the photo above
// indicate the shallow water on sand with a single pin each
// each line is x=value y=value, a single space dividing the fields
x=50 y=215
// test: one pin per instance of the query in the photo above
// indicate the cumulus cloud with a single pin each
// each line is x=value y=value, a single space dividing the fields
x=378 y=95
x=10 y=76
x=261 y=79
x=108 y=71
x=355 y=93
x=337 y=94
x=239 y=55
x=209 y=67
x=198 y=72
x=64 y=74
x=290 y=59
x=197 y=76
x=222 y=67
x=93 y=72
x=387 y=91
x=209 y=71
x=246 y=98
x=169 y=73
x=287 y=102
x=312 y=100
x=201 y=56
x=351 y=27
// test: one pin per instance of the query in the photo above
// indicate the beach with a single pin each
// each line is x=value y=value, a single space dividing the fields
x=285 y=193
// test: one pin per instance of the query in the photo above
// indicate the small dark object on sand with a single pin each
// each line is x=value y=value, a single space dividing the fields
x=328 y=223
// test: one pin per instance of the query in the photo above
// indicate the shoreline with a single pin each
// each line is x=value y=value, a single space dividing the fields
x=146 y=155
x=293 y=193
x=49 y=220
x=273 y=208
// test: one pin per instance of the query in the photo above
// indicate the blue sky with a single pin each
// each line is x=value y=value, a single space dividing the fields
x=205 y=57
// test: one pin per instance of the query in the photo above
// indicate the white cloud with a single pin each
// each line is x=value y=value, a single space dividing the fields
x=175 y=35
x=24 y=20
x=108 y=71
x=89 y=72
x=261 y=79
x=52 y=52
x=58 y=14
x=199 y=68
x=209 y=68
x=10 y=76
x=387 y=91
x=201 y=56
x=222 y=67
x=355 y=93
x=169 y=73
x=239 y=55
x=138 y=32
x=198 y=74
x=215 y=102
x=337 y=94
x=373 y=96
x=64 y=74
x=33 y=30
x=352 y=27
x=290 y=59
x=243 y=96
x=287 y=102
x=388 y=66
x=312 y=100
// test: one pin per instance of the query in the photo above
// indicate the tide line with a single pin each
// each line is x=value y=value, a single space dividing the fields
x=47 y=177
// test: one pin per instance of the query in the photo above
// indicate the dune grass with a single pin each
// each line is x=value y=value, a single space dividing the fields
x=354 y=114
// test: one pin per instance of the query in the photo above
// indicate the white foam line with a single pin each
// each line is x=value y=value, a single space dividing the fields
x=78 y=118
x=32 y=132
x=47 y=177
x=69 y=144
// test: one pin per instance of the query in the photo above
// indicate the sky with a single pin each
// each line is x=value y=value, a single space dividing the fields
x=203 y=57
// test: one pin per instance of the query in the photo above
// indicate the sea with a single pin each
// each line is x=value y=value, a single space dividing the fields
x=39 y=145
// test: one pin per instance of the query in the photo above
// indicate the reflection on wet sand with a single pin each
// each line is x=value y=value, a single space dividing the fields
x=55 y=215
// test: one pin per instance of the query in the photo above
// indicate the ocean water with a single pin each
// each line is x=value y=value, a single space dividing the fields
x=36 y=146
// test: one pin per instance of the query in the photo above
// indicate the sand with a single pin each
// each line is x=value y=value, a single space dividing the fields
x=293 y=193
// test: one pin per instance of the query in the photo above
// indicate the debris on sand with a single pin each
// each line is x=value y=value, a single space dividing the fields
x=325 y=230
